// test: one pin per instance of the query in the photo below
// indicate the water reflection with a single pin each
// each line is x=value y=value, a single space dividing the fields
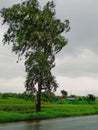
x=22 y=126
x=77 y=123
x=37 y=125
x=33 y=126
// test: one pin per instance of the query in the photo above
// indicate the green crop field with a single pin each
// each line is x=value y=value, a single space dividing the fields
x=17 y=109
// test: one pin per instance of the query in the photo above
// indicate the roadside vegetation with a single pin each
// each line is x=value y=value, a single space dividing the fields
x=20 y=107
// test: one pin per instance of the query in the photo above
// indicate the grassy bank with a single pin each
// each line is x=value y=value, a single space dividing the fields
x=13 y=109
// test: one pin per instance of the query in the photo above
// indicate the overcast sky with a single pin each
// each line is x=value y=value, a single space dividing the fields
x=76 y=67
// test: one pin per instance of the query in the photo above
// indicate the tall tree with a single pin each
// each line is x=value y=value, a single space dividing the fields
x=36 y=33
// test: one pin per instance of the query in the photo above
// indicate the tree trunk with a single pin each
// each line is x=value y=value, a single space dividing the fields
x=38 y=104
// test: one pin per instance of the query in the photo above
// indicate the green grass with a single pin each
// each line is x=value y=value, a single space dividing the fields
x=14 y=109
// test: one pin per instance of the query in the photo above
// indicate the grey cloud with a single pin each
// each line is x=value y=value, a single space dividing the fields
x=8 y=3
x=9 y=68
x=83 y=21
x=83 y=35
x=83 y=64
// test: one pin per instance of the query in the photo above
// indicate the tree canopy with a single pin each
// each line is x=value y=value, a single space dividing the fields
x=36 y=33
x=64 y=93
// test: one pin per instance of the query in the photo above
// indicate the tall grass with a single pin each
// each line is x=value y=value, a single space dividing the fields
x=13 y=109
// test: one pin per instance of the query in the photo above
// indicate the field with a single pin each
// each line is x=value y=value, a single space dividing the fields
x=17 y=109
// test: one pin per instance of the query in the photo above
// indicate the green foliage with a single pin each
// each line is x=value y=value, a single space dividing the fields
x=91 y=97
x=18 y=95
x=48 y=97
x=18 y=109
x=5 y=95
x=37 y=34
x=16 y=105
x=64 y=93
x=26 y=96
x=74 y=100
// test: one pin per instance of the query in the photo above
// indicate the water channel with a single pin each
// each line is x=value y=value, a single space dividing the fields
x=71 y=123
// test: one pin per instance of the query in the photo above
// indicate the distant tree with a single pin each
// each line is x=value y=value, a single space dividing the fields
x=26 y=96
x=74 y=96
x=91 y=97
x=64 y=93
x=5 y=95
x=35 y=33
x=48 y=97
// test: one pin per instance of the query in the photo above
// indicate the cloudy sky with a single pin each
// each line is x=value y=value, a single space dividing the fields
x=76 y=65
